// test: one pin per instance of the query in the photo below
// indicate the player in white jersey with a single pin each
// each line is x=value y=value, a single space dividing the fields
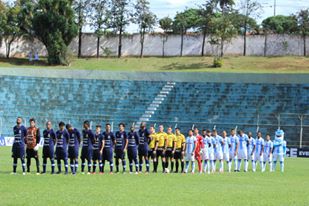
x=267 y=153
x=218 y=149
x=233 y=148
x=259 y=148
x=211 y=151
x=251 y=151
x=242 y=149
x=279 y=150
x=225 y=150
x=205 y=154
x=190 y=149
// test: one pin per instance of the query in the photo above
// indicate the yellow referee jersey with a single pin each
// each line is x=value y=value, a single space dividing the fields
x=153 y=138
x=161 y=138
x=171 y=138
x=180 y=139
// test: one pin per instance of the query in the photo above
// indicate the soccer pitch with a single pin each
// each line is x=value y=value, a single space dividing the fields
x=290 y=188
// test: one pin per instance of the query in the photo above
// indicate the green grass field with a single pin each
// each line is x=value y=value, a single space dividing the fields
x=289 y=64
x=290 y=188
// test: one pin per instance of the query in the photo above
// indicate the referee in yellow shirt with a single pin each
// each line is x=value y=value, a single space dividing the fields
x=152 y=142
x=160 y=146
x=180 y=150
x=170 y=149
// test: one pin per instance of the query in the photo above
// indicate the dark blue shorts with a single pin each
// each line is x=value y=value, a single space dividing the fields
x=86 y=153
x=96 y=155
x=48 y=152
x=132 y=153
x=119 y=154
x=142 y=151
x=18 y=152
x=107 y=155
x=61 y=154
x=73 y=152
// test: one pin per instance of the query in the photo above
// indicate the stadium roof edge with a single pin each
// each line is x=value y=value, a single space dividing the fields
x=159 y=76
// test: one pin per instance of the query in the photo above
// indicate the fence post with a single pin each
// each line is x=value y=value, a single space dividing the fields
x=301 y=117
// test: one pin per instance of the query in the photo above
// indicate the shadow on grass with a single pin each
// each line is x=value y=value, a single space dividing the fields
x=23 y=62
x=179 y=66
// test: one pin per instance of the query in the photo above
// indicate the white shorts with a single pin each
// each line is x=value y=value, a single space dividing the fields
x=219 y=155
x=278 y=157
x=211 y=156
x=242 y=154
x=232 y=153
x=189 y=157
x=205 y=155
x=258 y=157
x=250 y=157
x=226 y=157
x=267 y=158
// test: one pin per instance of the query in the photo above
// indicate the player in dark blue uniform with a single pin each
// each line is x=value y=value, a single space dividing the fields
x=88 y=140
x=144 y=140
x=49 y=147
x=121 y=147
x=18 y=149
x=62 y=136
x=133 y=142
x=107 y=147
x=96 y=155
x=74 y=142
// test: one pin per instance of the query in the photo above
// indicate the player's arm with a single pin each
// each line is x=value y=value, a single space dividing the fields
x=78 y=135
x=237 y=146
x=156 y=143
x=38 y=136
x=136 y=138
x=102 y=147
x=165 y=142
x=174 y=144
x=183 y=146
x=253 y=150
x=262 y=149
x=195 y=145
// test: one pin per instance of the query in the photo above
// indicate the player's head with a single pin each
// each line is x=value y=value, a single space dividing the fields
x=224 y=133
x=259 y=134
x=86 y=124
x=232 y=132
x=19 y=120
x=249 y=134
x=204 y=132
x=241 y=132
x=108 y=127
x=132 y=128
x=151 y=129
x=214 y=132
x=177 y=130
x=267 y=137
x=196 y=131
x=279 y=133
x=143 y=125
x=121 y=126
x=61 y=126
x=208 y=133
x=169 y=130
x=161 y=128
x=32 y=122
x=190 y=132
x=69 y=127
x=48 y=125
x=98 y=129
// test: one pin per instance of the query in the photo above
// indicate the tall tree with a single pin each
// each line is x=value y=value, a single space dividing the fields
x=303 y=24
x=206 y=12
x=2 y=20
x=281 y=24
x=225 y=5
x=184 y=21
x=166 y=24
x=120 y=18
x=54 y=25
x=11 y=30
x=81 y=8
x=100 y=19
x=145 y=20
x=251 y=8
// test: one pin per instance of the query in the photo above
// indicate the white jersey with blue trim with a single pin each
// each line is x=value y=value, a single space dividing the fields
x=225 y=145
x=206 y=142
x=190 y=143
x=259 y=142
x=211 y=143
x=243 y=140
x=233 y=142
x=268 y=146
x=251 y=144
x=218 y=143
x=279 y=145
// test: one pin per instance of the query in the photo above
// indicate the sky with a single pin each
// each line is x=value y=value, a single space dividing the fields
x=163 y=8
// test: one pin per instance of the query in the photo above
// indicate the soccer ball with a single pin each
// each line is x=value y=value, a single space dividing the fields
x=167 y=170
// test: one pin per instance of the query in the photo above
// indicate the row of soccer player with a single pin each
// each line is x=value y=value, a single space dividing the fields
x=100 y=147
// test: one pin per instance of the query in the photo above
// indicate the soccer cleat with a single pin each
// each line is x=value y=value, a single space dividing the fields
x=136 y=173
x=13 y=173
x=24 y=173
x=101 y=173
x=111 y=173
x=88 y=173
x=59 y=172
x=38 y=173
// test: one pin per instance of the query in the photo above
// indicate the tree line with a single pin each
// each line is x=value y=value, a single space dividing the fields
x=57 y=22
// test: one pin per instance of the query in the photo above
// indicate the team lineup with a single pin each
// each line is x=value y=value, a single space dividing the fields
x=176 y=152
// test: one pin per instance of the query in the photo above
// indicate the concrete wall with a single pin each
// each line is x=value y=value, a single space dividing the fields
x=277 y=45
